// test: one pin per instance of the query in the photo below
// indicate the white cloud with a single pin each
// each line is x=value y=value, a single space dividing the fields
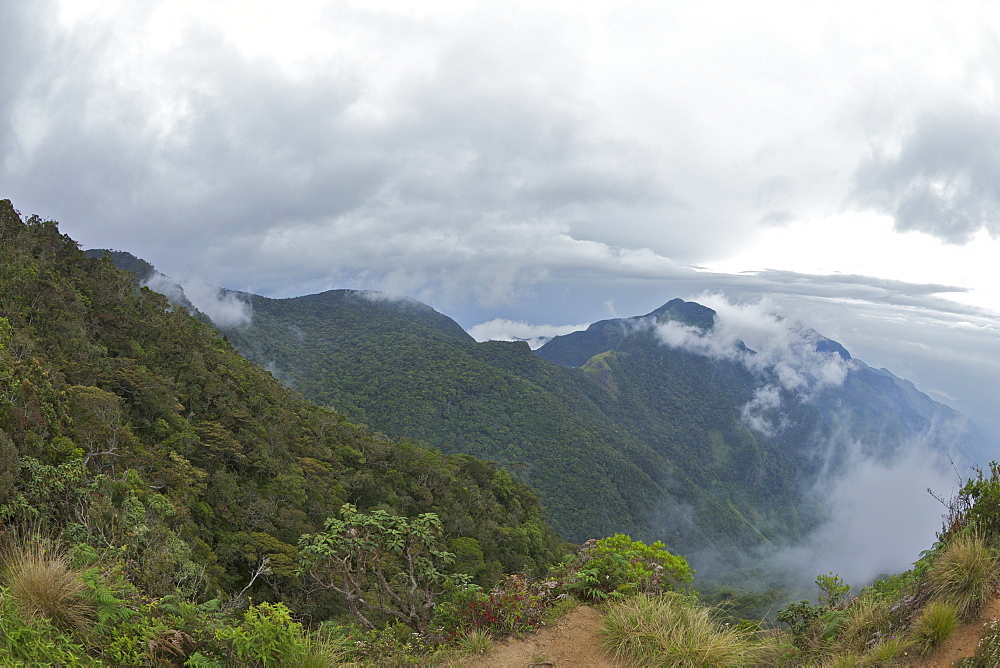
x=868 y=501
x=777 y=347
x=500 y=329
x=226 y=309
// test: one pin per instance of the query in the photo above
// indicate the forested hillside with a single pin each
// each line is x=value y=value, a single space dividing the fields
x=126 y=422
x=700 y=445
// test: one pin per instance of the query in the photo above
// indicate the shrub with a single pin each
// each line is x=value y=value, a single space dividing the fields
x=976 y=507
x=618 y=566
x=38 y=577
x=267 y=637
x=833 y=591
x=515 y=604
x=670 y=630
x=966 y=574
x=936 y=622
x=800 y=618
x=381 y=563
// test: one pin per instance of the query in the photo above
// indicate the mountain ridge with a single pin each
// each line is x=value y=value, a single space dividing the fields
x=617 y=430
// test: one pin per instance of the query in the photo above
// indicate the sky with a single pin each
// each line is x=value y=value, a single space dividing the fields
x=529 y=167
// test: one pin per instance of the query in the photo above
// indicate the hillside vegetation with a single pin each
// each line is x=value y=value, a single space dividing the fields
x=615 y=430
x=135 y=437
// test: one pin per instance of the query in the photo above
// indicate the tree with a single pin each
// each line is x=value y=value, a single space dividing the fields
x=380 y=562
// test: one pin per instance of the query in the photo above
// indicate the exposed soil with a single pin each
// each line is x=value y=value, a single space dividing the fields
x=963 y=640
x=572 y=641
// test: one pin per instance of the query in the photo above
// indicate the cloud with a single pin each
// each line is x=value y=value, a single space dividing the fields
x=867 y=501
x=944 y=180
x=779 y=349
x=762 y=414
x=501 y=329
x=226 y=309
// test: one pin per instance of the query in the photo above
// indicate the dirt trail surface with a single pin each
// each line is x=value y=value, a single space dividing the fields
x=963 y=640
x=572 y=641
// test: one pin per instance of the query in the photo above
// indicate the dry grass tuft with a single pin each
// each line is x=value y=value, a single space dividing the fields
x=669 y=631
x=38 y=577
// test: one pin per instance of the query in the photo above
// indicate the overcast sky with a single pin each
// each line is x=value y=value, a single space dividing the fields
x=548 y=163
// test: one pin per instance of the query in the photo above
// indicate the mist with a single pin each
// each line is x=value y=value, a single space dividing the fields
x=226 y=309
x=880 y=516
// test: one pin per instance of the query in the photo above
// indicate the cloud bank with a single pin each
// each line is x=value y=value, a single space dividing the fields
x=501 y=329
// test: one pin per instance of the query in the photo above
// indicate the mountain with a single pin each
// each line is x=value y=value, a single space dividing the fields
x=127 y=424
x=657 y=425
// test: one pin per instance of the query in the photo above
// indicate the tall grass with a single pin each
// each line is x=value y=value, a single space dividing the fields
x=966 y=574
x=936 y=622
x=671 y=631
x=38 y=577
x=868 y=619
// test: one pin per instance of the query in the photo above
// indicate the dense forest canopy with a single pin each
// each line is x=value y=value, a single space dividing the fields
x=125 y=421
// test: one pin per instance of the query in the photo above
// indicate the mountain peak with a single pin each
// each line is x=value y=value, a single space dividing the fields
x=690 y=313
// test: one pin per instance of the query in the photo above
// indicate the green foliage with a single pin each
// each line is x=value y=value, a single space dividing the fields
x=516 y=604
x=37 y=642
x=801 y=618
x=381 y=563
x=267 y=637
x=131 y=427
x=618 y=566
x=833 y=591
x=976 y=507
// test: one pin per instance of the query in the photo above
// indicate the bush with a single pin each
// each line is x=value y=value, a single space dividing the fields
x=669 y=630
x=966 y=574
x=515 y=604
x=976 y=507
x=618 y=566
x=267 y=637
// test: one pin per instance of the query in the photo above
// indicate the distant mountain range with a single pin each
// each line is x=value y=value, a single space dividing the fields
x=655 y=425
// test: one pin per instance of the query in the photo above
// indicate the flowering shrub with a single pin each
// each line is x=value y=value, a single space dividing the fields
x=514 y=605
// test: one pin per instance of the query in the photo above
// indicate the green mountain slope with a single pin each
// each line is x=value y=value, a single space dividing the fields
x=615 y=430
x=125 y=422
x=410 y=371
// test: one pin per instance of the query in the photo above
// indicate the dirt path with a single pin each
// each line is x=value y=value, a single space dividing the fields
x=963 y=640
x=572 y=641
x=575 y=641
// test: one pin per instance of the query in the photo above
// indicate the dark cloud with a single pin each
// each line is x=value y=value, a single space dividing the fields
x=944 y=180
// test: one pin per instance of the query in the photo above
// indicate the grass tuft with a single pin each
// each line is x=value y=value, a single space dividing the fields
x=966 y=574
x=669 y=630
x=868 y=618
x=475 y=641
x=936 y=622
x=38 y=577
